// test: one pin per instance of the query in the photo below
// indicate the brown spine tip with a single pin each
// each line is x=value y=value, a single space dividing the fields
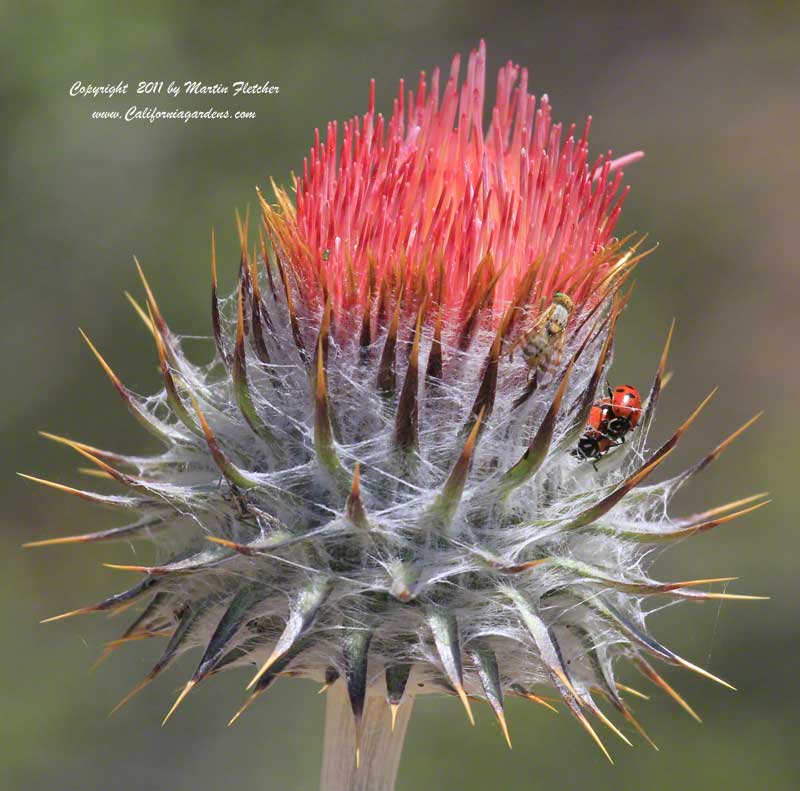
x=242 y=549
x=658 y=382
x=485 y=663
x=325 y=328
x=265 y=256
x=355 y=508
x=115 y=380
x=159 y=319
x=386 y=379
x=572 y=704
x=244 y=262
x=446 y=503
x=701 y=671
x=241 y=382
x=462 y=696
x=626 y=712
x=216 y=323
x=135 y=691
x=434 y=368
x=118 y=476
x=355 y=653
x=138 y=569
x=211 y=440
x=234 y=476
x=70 y=614
x=607 y=722
x=365 y=336
x=140 y=312
x=184 y=692
x=258 y=312
x=484 y=400
x=84 y=495
x=631 y=691
x=302 y=614
x=243 y=708
x=540 y=701
x=406 y=432
x=173 y=396
x=118 y=602
x=103 y=454
x=147 y=421
x=717 y=452
x=324 y=444
x=709 y=524
x=382 y=310
x=647 y=670
x=501 y=719
x=240 y=328
x=296 y=332
x=444 y=629
x=478 y=295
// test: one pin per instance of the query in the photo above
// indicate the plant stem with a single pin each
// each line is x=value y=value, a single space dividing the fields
x=380 y=746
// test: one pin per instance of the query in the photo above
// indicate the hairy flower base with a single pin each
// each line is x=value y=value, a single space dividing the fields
x=404 y=499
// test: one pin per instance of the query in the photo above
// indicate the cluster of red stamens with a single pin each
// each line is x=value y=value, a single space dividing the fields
x=428 y=198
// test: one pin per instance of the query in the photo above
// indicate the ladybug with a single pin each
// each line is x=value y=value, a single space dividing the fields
x=610 y=419
x=595 y=441
x=624 y=408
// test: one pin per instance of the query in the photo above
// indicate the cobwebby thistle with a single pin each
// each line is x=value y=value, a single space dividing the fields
x=374 y=483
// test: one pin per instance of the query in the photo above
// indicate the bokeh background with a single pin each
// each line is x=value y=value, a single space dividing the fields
x=709 y=90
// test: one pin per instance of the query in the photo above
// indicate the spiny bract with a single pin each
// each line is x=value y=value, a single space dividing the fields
x=367 y=480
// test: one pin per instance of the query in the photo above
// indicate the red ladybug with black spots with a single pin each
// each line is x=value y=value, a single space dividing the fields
x=595 y=442
x=609 y=421
x=623 y=410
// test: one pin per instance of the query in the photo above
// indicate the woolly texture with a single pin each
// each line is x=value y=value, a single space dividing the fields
x=376 y=473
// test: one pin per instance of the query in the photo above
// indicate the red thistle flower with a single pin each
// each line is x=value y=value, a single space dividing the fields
x=519 y=212
x=362 y=487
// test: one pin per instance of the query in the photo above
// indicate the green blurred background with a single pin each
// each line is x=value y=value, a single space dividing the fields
x=711 y=93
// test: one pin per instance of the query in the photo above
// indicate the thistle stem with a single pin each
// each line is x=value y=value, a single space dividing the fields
x=380 y=747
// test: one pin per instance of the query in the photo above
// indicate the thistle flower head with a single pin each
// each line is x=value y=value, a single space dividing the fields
x=378 y=474
x=431 y=199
